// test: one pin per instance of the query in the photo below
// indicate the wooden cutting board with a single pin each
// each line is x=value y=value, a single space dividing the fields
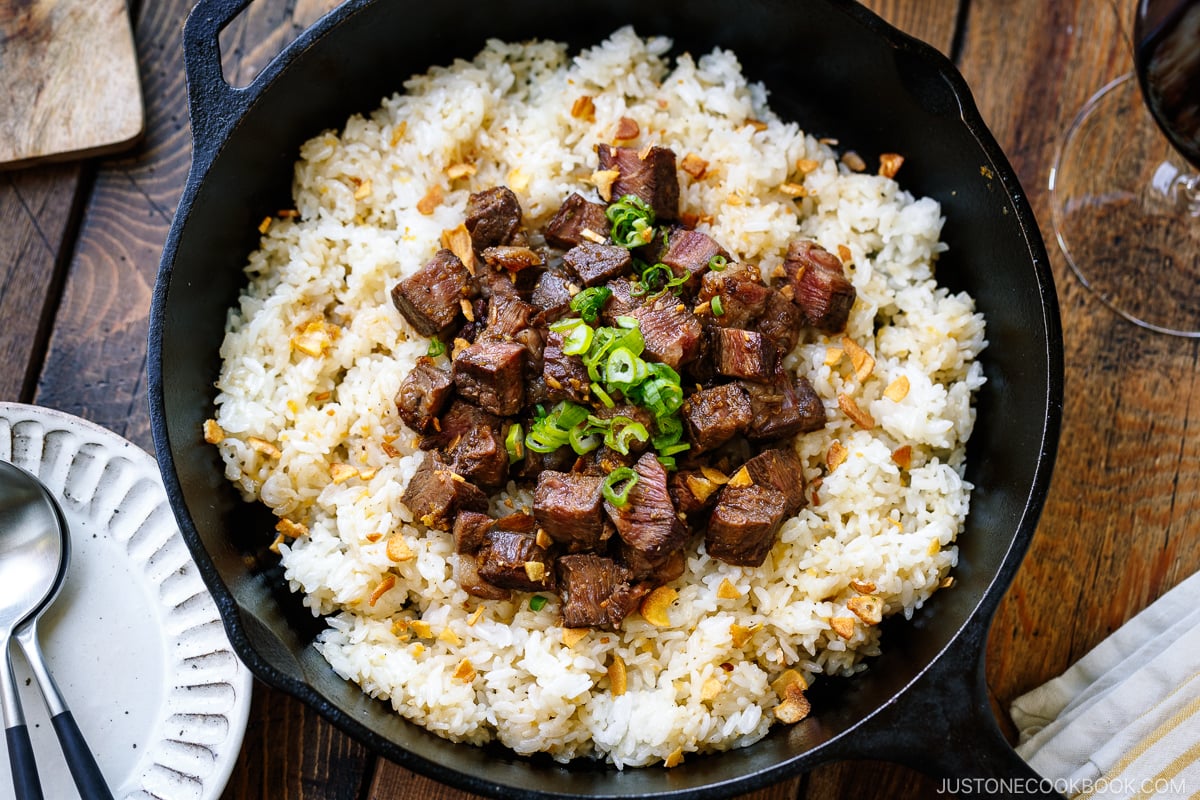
x=68 y=80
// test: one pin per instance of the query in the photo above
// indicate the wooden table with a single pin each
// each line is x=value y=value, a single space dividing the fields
x=80 y=243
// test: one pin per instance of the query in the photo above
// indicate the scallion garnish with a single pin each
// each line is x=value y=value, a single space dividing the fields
x=620 y=475
x=537 y=603
x=588 y=303
x=718 y=308
x=632 y=221
x=436 y=348
x=514 y=443
x=718 y=263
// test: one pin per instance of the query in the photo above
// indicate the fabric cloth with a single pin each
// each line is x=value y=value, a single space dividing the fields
x=1125 y=720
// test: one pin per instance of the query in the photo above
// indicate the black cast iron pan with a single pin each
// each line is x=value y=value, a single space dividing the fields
x=837 y=70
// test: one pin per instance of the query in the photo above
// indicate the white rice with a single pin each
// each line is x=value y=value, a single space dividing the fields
x=324 y=277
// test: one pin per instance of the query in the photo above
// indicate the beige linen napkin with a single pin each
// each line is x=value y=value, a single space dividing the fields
x=1124 y=722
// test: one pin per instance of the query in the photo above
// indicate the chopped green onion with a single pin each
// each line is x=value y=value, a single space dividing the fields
x=632 y=221
x=577 y=342
x=627 y=322
x=618 y=438
x=436 y=348
x=718 y=263
x=537 y=603
x=588 y=303
x=583 y=439
x=603 y=395
x=514 y=443
x=718 y=308
x=621 y=369
x=608 y=488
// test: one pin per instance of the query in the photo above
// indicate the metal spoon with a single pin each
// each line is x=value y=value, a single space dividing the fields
x=29 y=502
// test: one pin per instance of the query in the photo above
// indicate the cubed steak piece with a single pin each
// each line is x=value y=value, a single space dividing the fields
x=489 y=373
x=566 y=377
x=431 y=298
x=689 y=253
x=576 y=215
x=784 y=407
x=586 y=583
x=470 y=528
x=513 y=560
x=781 y=469
x=435 y=494
x=570 y=508
x=692 y=491
x=742 y=354
x=597 y=263
x=819 y=285
x=621 y=302
x=713 y=416
x=652 y=573
x=552 y=296
x=507 y=316
x=648 y=174
x=493 y=218
x=473 y=443
x=423 y=394
x=781 y=322
x=511 y=258
x=464 y=568
x=743 y=295
x=743 y=524
x=647 y=520
x=672 y=333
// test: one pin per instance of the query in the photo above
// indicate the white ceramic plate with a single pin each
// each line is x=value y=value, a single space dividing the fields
x=134 y=639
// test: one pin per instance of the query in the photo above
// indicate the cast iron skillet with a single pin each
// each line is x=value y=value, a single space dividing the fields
x=830 y=65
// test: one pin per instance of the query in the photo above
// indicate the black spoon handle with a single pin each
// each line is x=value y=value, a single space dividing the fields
x=24 y=768
x=88 y=779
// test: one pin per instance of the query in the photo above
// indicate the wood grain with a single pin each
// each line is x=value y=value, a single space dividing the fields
x=69 y=83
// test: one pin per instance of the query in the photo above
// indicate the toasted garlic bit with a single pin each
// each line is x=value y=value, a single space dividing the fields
x=860 y=359
x=794 y=706
x=212 y=432
x=518 y=180
x=340 y=473
x=592 y=236
x=740 y=634
x=287 y=213
x=584 y=108
x=741 y=479
x=858 y=416
x=934 y=548
x=383 y=588
x=843 y=626
x=836 y=455
x=292 y=530
x=468 y=312
x=573 y=636
x=806 y=165
x=274 y=546
x=700 y=486
x=897 y=390
x=265 y=225
x=788 y=677
x=889 y=164
x=793 y=190
x=618 y=679
x=656 y=604
x=398 y=132
x=432 y=199
x=458 y=241
x=462 y=170
x=314 y=339
x=674 y=759
x=866 y=607
x=465 y=671
x=715 y=475
x=421 y=628
x=460 y=344
x=711 y=689
x=374 y=537
x=833 y=355
x=844 y=254
x=363 y=191
x=398 y=549
x=853 y=161
x=367 y=474
x=694 y=165
x=263 y=446
x=603 y=180
x=450 y=637
x=389 y=450
x=758 y=125
x=727 y=591
x=902 y=456
x=947 y=582
x=535 y=571
x=543 y=540
x=862 y=587
x=626 y=129
x=475 y=615
x=417 y=650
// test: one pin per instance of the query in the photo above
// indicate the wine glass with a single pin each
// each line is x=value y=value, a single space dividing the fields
x=1125 y=185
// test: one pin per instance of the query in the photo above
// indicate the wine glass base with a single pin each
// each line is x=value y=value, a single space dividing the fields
x=1126 y=212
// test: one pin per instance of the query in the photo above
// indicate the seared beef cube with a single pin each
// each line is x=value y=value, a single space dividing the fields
x=423 y=394
x=742 y=526
x=625 y=599
x=435 y=494
x=473 y=442
x=647 y=521
x=819 y=285
x=672 y=333
x=513 y=259
x=586 y=583
x=470 y=528
x=742 y=354
x=534 y=342
x=712 y=416
x=507 y=316
x=688 y=253
x=652 y=178
x=518 y=521
x=597 y=263
x=551 y=296
x=621 y=302
x=489 y=373
x=565 y=229
x=780 y=323
x=570 y=509
x=781 y=470
x=431 y=298
x=691 y=491
x=513 y=560
x=783 y=408
x=566 y=377
x=493 y=217
x=465 y=571
x=743 y=295
x=534 y=463
x=653 y=572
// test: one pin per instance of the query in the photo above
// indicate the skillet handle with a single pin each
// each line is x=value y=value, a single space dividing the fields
x=943 y=726
x=213 y=104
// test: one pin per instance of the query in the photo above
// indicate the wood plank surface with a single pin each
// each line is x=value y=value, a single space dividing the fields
x=69 y=80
